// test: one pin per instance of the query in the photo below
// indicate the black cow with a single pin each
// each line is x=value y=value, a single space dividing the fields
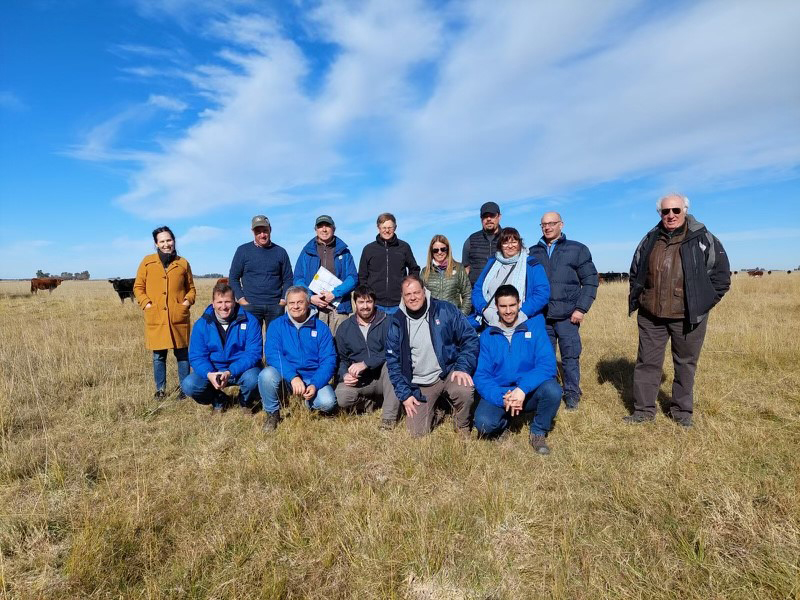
x=123 y=287
x=612 y=277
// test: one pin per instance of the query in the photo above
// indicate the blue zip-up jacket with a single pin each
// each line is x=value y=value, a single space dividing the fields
x=352 y=347
x=454 y=341
x=526 y=362
x=308 y=264
x=537 y=289
x=307 y=351
x=572 y=276
x=241 y=351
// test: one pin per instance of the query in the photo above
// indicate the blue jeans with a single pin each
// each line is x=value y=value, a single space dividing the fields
x=201 y=390
x=491 y=420
x=569 y=341
x=160 y=366
x=269 y=383
x=389 y=310
x=265 y=313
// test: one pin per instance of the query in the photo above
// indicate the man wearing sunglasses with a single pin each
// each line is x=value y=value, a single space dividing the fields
x=678 y=274
x=573 y=287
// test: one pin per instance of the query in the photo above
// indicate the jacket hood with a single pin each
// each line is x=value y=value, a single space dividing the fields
x=427 y=309
x=338 y=247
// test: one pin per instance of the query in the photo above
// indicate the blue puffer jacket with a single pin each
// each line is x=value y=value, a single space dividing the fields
x=307 y=352
x=526 y=362
x=454 y=341
x=572 y=276
x=242 y=349
x=308 y=264
x=537 y=289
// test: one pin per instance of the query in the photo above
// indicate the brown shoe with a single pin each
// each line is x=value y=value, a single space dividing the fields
x=271 y=422
x=538 y=443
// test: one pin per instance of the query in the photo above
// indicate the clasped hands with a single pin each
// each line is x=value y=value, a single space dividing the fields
x=322 y=300
x=299 y=388
x=513 y=401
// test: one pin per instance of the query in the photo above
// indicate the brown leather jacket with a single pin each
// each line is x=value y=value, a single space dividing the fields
x=663 y=294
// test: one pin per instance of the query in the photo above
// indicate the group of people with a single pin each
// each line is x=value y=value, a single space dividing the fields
x=478 y=337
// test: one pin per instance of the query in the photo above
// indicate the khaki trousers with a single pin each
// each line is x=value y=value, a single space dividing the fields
x=460 y=396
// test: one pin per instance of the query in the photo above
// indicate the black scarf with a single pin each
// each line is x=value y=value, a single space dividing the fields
x=167 y=258
x=416 y=314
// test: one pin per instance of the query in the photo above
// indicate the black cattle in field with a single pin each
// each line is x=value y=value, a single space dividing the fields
x=612 y=277
x=123 y=287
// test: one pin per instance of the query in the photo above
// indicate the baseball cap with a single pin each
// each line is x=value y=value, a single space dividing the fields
x=259 y=221
x=490 y=207
x=324 y=219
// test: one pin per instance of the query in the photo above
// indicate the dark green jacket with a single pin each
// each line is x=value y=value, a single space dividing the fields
x=455 y=289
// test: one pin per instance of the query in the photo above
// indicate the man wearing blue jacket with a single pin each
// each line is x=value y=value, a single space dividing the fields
x=224 y=349
x=573 y=287
x=516 y=372
x=431 y=350
x=327 y=250
x=300 y=354
x=261 y=273
x=361 y=346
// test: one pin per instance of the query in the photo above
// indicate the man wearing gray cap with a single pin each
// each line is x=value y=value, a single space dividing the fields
x=327 y=250
x=261 y=273
x=481 y=245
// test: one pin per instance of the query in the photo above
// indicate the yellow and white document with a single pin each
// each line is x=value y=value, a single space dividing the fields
x=324 y=281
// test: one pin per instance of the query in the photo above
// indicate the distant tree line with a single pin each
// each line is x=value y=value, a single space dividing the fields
x=211 y=276
x=83 y=275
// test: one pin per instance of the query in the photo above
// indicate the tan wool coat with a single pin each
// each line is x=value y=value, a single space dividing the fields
x=166 y=322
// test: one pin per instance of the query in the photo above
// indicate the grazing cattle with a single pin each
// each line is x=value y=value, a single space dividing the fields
x=123 y=287
x=756 y=273
x=612 y=277
x=45 y=283
x=222 y=280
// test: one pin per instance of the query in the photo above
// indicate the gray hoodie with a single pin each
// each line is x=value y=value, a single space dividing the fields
x=424 y=364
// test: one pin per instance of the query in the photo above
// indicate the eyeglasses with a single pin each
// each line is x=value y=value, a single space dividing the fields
x=675 y=211
x=550 y=224
x=439 y=250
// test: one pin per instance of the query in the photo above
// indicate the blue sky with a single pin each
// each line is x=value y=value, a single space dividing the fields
x=117 y=116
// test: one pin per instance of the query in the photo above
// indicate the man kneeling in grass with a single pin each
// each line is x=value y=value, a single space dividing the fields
x=516 y=372
x=300 y=354
x=224 y=349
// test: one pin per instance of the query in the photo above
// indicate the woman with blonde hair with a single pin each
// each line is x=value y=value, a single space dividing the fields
x=164 y=289
x=444 y=277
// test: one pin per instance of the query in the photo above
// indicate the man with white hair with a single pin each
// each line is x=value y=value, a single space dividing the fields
x=678 y=274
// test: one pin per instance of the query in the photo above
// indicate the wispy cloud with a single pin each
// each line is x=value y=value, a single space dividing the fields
x=201 y=234
x=425 y=108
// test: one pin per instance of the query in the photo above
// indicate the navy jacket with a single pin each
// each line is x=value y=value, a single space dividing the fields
x=241 y=351
x=706 y=270
x=537 y=289
x=526 y=362
x=261 y=275
x=454 y=341
x=307 y=352
x=352 y=347
x=572 y=276
x=344 y=268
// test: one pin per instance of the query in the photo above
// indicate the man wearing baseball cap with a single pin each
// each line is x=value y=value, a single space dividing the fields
x=481 y=245
x=261 y=273
x=327 y=250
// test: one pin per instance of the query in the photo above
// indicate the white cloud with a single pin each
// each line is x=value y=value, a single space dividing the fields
x=167 y=103
x=521 y=100
x=201 y=234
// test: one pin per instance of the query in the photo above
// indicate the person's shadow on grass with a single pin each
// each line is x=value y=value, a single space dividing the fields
x=619 y=373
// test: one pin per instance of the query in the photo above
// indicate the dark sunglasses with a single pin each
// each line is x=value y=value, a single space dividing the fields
x=438 y=250
x=675 y=211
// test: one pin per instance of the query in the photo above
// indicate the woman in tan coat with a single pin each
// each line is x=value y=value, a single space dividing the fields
x=165 y=290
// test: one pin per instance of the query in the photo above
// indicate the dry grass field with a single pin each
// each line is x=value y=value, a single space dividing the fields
x=105 y=493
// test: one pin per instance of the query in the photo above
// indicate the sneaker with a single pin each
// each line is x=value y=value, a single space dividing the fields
x=159 y=395
x=684 y=421
x=638 y=418
x=271 y=422
x=571 y=402
x=538 y=443
x=387 y=424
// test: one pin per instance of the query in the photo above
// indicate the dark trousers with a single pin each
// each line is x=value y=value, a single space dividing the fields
x=569 y=341
x=350 y=397
x=686 y=344
x=265 y=313
x=492 y=420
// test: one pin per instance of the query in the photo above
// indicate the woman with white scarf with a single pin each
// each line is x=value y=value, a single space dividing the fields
x=511 y=265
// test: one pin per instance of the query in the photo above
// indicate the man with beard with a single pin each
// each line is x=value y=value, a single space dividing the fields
x=361 y=346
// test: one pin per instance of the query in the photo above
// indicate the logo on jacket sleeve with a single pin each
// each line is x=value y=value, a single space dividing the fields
x=243 y=326
x=313 y=333
x=527 y=335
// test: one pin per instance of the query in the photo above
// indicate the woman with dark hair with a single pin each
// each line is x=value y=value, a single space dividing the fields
x=444 y=277
x=511 y=265
x=165 y=290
